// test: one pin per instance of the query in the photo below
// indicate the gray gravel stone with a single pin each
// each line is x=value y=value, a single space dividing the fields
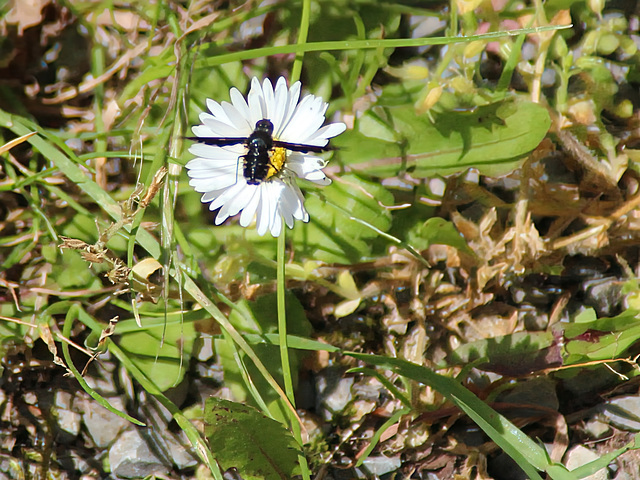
x=182 y=456
x=172 y=448
x=131 y=457
x=380 y=465
x=579 y=456
x=68 y=422
x=204 y=348
x=624 y=412
x=30 y=398
x=103 y=426
x=103 y=374
x=597 y=429
x=63 y=400
x=334 y=392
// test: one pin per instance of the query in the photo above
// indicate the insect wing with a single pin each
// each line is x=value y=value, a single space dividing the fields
x=219 y=141
x=296 y=147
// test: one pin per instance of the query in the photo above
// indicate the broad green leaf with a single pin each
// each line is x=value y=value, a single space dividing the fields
x=516 y=354
x=73 y=272
x=602 y=339
x=627 y=319
x=162 y=353
x=259 y=318
x=524 y=352
x=602 y=347
x=241 y=437
x=438 y=231
x=333 y=234
x=492 y=138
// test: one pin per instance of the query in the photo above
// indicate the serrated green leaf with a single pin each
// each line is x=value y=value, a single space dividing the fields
x=241 y=437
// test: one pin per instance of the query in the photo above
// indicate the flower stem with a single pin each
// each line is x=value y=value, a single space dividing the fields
x=282 y=319
x=284 y=349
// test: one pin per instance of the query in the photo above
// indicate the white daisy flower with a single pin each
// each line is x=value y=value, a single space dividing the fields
x=250 y=152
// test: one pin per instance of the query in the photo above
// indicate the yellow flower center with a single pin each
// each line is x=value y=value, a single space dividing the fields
x=278 y=157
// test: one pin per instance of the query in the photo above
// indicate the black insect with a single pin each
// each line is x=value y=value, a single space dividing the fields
x=259 y=164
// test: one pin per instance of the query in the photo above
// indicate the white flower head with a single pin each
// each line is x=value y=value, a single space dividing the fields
x=238 y=170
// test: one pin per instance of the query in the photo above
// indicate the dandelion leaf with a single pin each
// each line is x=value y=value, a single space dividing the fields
x=241 y=437
x=492 y=138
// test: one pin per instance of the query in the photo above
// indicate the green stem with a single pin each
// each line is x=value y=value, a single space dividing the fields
x=282 y=316
x=282 y=319
x=284 y=349
x=302 y=39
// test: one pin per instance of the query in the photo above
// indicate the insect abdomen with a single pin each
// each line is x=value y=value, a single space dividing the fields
x=257 y=162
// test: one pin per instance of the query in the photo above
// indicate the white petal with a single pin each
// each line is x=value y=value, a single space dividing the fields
x=281 y=101
x=325 y=133
x=291 y=205
x=202 y=131
x=240 y=123
x=209 y=197
x=210 y=167
x=312 y=175
x=287 y=206
x=306 y=120
x=234 y=205
x=249 y=212
x=216 y=109
x=240 y=103
x=276 y=217
x=215 y=183
x=319 y=178
x=276 y=225
x=270 y=212
x=294 y=96
x=257 y=107
x=300 y=213
x=304 y=164
x=213 y=152
x=275 y=191
x=263 y=218
x=267 y=92
x=233 y=191
x=204 y=168
x=219 y=128
x=315 y=176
